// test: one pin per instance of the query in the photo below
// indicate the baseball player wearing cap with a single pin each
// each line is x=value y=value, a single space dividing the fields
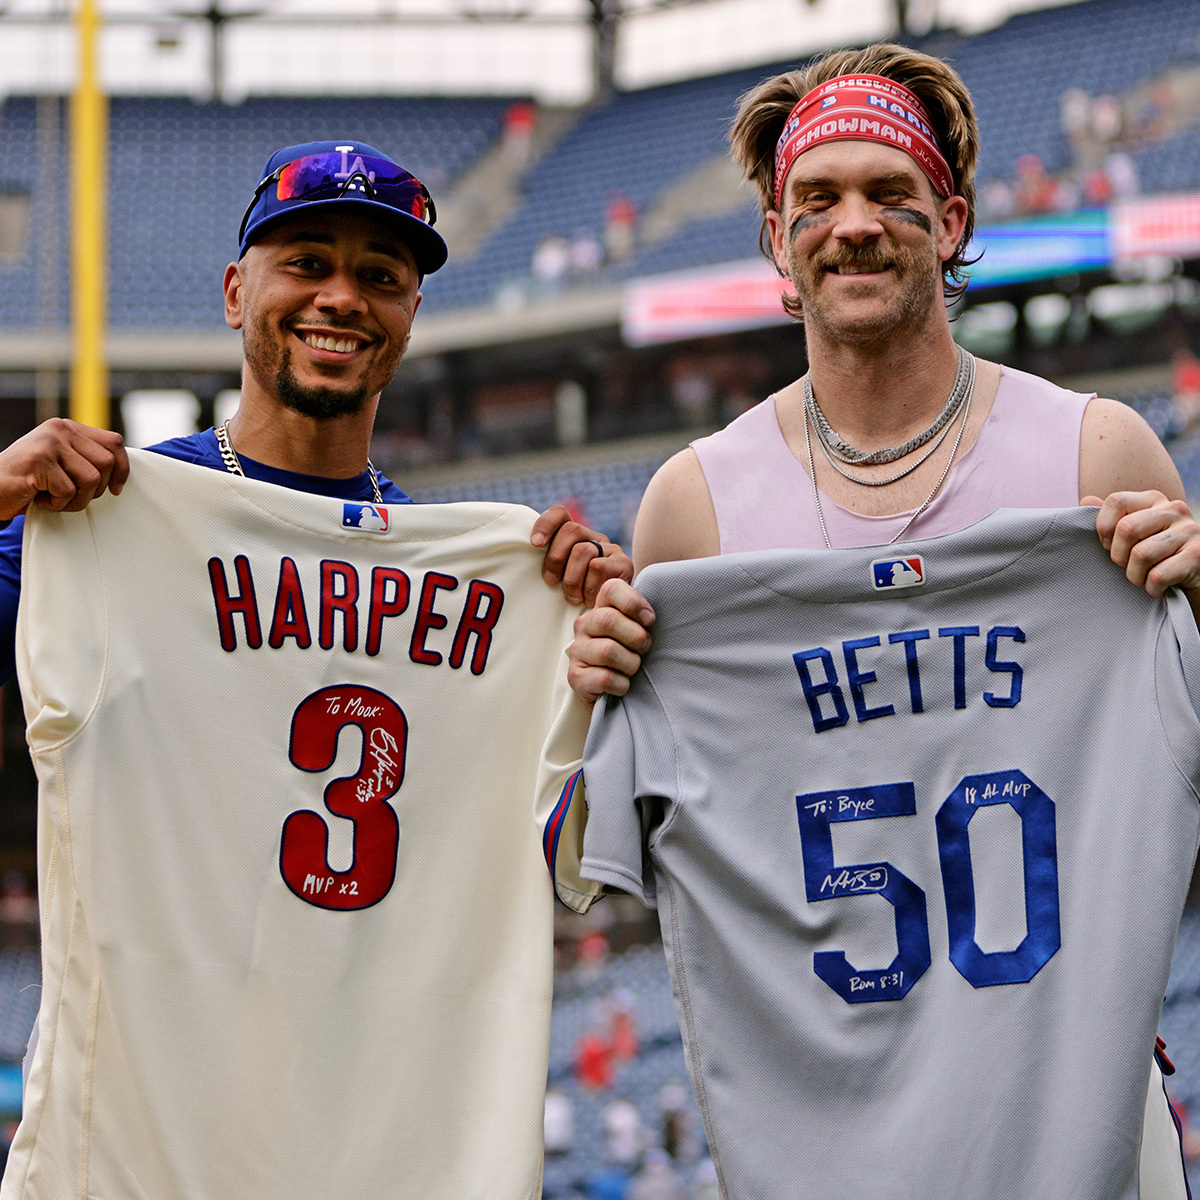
x=864 y=166
x=332 y=250
x=325 y=308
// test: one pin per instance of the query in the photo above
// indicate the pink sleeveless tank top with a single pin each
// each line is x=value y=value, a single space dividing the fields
x=1026 y=456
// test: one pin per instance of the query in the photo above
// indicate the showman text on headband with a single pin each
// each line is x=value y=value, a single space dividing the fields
x=862 y=108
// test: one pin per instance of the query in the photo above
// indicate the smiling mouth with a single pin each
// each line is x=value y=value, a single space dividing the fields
x=849 y=269
x=336 y=343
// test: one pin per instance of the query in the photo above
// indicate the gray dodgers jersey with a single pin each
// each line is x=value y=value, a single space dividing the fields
x=920 y=821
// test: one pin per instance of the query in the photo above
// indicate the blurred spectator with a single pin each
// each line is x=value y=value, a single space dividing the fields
x=585 y=254
x=1097 y=188
x=1075 y=117
x=623 y=1034
x=656 y=1180
x=592 y=952
x=678 y=1138
x=609 y=1183
x=551 y=259
x=620 y=227
x=1122 y=174
x=1106 y=119
x=693 y=393
x=1036 y=191
x=594 y=1062
x=704 y=1182
x=1152 y=114
x=6 y=1140
x=520 y=121
x=624 y=1134
x=1189 y=1138
x=559 y=1123
x=996 y=200
x=1185 y=389
x=579 y=513
x=736 y=401
x=18 y=910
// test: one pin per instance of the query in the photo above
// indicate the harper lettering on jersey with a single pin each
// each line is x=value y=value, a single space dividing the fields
x=342 y=589
x=826 y=696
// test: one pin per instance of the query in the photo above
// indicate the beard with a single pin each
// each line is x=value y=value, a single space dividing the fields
x=323 y=403
x=917 y=268
x=272 y=365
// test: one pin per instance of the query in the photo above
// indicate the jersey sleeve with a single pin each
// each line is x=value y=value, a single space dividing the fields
x=62 y=632
x=10 y=594
x=629 y=766
x=561 y=811
x=1177 y=678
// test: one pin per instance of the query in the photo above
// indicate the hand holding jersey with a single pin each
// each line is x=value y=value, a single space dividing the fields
x=1155 y=538
x=61 y=465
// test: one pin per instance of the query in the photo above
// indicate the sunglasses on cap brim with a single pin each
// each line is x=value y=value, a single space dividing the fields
x=324 y=177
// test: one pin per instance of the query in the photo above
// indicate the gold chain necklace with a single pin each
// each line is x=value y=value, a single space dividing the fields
x=233 y=464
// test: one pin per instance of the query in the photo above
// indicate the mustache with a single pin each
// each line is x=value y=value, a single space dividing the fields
x=868 y=258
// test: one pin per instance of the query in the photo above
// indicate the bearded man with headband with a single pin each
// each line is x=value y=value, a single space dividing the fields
x=864 y=166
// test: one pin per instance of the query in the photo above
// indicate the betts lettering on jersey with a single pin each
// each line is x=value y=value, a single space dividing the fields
x=897 y=572
x=371 y=517
x=826 y=697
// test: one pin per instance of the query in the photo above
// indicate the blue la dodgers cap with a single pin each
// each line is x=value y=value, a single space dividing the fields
x=316 y=175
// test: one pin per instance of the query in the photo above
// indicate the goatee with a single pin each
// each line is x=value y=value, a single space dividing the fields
x=321 y=403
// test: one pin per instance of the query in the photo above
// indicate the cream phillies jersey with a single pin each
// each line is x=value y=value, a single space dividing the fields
x=296 y=915
x=920 y=821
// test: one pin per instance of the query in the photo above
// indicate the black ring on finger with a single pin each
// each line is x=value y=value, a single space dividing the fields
x=599 y=547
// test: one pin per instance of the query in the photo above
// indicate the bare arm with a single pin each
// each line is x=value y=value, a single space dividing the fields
x=61 y=465
x=1144 y=521
x=676 y=521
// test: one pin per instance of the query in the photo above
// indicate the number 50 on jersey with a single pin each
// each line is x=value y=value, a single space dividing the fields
x=826 y=880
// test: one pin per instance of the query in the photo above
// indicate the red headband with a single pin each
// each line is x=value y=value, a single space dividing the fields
x=862 y=108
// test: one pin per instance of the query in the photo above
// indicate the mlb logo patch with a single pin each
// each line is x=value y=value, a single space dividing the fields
x=897 y=572
x=371 y=517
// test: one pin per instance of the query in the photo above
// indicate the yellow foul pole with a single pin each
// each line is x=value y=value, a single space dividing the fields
x=89 y=250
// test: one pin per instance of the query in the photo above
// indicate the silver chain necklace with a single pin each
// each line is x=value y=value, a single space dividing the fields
x=234 y=465
x=835 y=447
x=966 y=373
x=812 y=474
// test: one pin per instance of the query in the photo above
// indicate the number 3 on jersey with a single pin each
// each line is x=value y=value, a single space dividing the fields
x=825 y=880
x=361 y=797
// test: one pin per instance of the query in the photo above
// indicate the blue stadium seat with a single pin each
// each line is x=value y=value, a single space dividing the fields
x=182 y=171
x=181 y=174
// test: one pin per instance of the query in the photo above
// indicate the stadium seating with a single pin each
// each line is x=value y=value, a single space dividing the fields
x=643 y=971
x=20 y=994
x=643 y=141
x=609 y=495
x=180 y=169
x=181 y=174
